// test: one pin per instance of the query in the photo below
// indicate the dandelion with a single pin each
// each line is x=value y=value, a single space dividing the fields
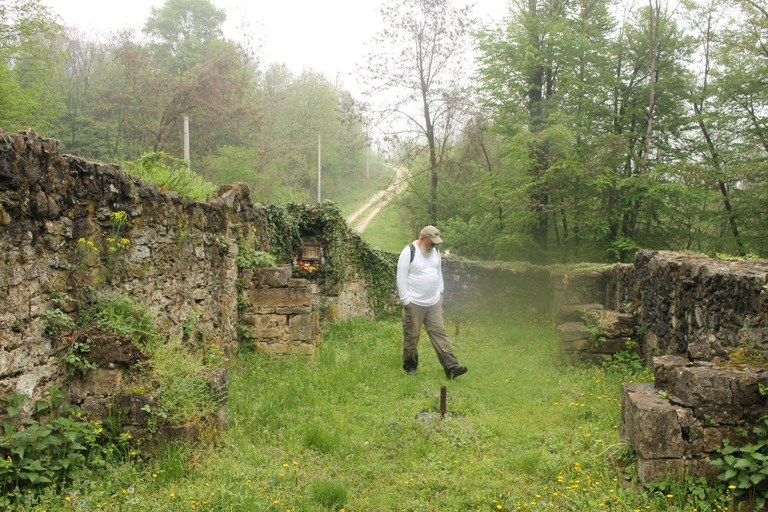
x=154 y=475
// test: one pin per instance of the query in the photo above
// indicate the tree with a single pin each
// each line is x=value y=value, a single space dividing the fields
x=417 y=61
x=183 y=29
x=29 y=33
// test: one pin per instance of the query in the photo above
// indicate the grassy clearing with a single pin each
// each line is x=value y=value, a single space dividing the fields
x=389 y=230
x=342 y=430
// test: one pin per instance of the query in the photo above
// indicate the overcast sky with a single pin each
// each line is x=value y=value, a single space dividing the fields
x=328 y=36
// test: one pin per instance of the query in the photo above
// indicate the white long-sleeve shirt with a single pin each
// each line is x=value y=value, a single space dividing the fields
x=419 y=281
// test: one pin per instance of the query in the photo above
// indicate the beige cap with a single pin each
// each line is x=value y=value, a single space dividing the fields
x=432 y=233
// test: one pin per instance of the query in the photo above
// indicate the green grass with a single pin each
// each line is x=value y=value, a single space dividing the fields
x=389 y=229
x=346 y=430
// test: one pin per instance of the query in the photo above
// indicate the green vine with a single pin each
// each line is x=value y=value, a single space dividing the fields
x=284 y=227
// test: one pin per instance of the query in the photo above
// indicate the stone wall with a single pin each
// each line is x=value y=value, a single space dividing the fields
x=677 y=424
x=695 y=306
x=705 y=332
x=281 y=315
x=498 y=288
x=590 y=330
x=63 y=238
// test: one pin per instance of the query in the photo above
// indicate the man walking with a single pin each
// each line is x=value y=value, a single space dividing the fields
x=420 y=286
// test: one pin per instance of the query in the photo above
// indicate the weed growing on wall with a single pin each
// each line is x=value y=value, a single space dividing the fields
x=744 y=469
x=182 y=391
x=56 y=446
x=77 y=359
x=117 y=245
x=171 y=173
x=248 y=254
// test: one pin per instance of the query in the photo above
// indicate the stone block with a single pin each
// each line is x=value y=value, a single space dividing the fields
x=667 y=371
x=611 y=324
x=265 y=320
x=571 y=331
x=300 y=328
x=653 y=470
x=651 y=424
x=110 y=348
x=712 y=438
x=592 y=358
x=705 y=349
x=283 y=300
x=271 y=348
x=274 y=277
x=745 y=386
x=610 y=345
x=582 y=345
x=97 y=407
x=708 y=392
x=575 y=312
x=135 y=407
x=267 y=326
x=99 y=381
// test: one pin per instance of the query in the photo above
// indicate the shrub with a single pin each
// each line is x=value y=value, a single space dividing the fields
x=58 y=447
x=171 y=173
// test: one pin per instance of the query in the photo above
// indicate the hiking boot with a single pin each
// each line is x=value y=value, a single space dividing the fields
x=452 y=373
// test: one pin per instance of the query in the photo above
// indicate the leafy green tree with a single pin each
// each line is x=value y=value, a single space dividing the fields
x=417 y=59
x=29 y=33
x=183 y=29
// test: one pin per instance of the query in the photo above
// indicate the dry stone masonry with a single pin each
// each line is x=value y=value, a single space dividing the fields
x=703 y=325
x=68 y=226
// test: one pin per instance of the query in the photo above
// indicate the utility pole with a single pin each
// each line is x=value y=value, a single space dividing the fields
x=186 y=142
x=319 y=168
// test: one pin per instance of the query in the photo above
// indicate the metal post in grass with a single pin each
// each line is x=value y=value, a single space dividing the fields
x=457 y=327
x=443 y=396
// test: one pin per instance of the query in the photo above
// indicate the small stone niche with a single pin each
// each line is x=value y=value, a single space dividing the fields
x=312 y=250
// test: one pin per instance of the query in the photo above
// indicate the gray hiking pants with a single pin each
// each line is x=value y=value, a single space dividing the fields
x=432 y=318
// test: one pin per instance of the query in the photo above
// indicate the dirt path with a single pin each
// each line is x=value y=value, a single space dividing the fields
x=379 y=200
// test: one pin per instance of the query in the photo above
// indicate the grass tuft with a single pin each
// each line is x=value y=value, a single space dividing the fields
x=329 y=493
x=318 y=439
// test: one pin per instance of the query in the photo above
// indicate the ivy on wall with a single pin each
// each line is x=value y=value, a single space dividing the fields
x=285 y=226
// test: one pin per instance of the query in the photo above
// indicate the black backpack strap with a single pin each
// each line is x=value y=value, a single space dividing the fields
x=413 y=250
